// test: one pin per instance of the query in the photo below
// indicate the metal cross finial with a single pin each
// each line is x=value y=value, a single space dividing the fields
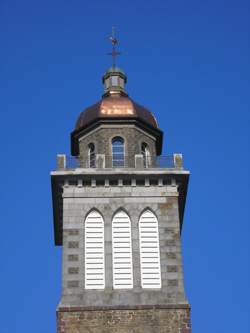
x=114 y=42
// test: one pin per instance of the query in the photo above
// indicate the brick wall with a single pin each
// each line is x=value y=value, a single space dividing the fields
x=175 y=320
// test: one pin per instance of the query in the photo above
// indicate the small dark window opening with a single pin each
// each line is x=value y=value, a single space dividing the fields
x=99 y=182
x=113 y=182
x=126 y=182
x=140 y=182
x=91 y=155
x=153 y=182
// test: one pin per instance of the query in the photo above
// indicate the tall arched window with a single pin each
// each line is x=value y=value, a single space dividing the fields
x=122 y=251
x=146 y=155
x=118 y=152
x=149 y=251
x=94 y=251
x=91 y=155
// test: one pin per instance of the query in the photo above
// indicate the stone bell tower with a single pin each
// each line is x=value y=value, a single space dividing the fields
x=118 y=212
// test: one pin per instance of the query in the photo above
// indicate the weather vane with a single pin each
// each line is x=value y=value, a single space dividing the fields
x=114 y=42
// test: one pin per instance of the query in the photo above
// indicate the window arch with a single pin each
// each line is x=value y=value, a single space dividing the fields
x=91 y=155
x=118 y=152
x=146 y=155
x=94 y=251
x=149 y=251
x=122 y=251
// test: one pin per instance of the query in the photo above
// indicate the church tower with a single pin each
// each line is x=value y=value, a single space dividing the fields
x=118 y=211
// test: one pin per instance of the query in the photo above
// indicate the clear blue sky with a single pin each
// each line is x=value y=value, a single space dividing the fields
x=188 y=61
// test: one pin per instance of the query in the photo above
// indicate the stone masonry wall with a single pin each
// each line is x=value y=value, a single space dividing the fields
x=136 y=310
x=102 y=138
x=163 y=201
x=124 y=321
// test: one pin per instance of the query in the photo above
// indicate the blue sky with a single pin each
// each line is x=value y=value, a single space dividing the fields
x=188 y=61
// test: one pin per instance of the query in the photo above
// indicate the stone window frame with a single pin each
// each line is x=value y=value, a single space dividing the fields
x=118 y=135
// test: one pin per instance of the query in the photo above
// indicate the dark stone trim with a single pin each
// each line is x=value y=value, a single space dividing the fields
x=122 y=307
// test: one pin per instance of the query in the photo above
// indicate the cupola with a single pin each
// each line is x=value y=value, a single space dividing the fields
x=114 y=80
x=115 y=107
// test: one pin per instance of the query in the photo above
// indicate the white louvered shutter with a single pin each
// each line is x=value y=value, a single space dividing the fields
x=94 y=251
x=149 y=251
x=122 y=251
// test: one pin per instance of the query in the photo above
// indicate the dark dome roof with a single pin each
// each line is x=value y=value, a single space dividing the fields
x=115 y=105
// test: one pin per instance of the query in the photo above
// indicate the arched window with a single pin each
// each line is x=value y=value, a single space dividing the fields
x=94 y=251
x=118 y=152
x=122 y=251
x=91 y=155
x=149 y=251
x=146 y=155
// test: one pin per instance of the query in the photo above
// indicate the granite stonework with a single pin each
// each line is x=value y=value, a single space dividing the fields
x=133 y=191
x=163 y=201
x=151 y=320
x=102 y=137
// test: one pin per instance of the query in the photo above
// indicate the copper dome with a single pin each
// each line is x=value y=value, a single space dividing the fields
x=115 y=106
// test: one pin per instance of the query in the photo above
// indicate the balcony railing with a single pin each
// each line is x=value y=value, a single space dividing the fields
x=102 y=161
